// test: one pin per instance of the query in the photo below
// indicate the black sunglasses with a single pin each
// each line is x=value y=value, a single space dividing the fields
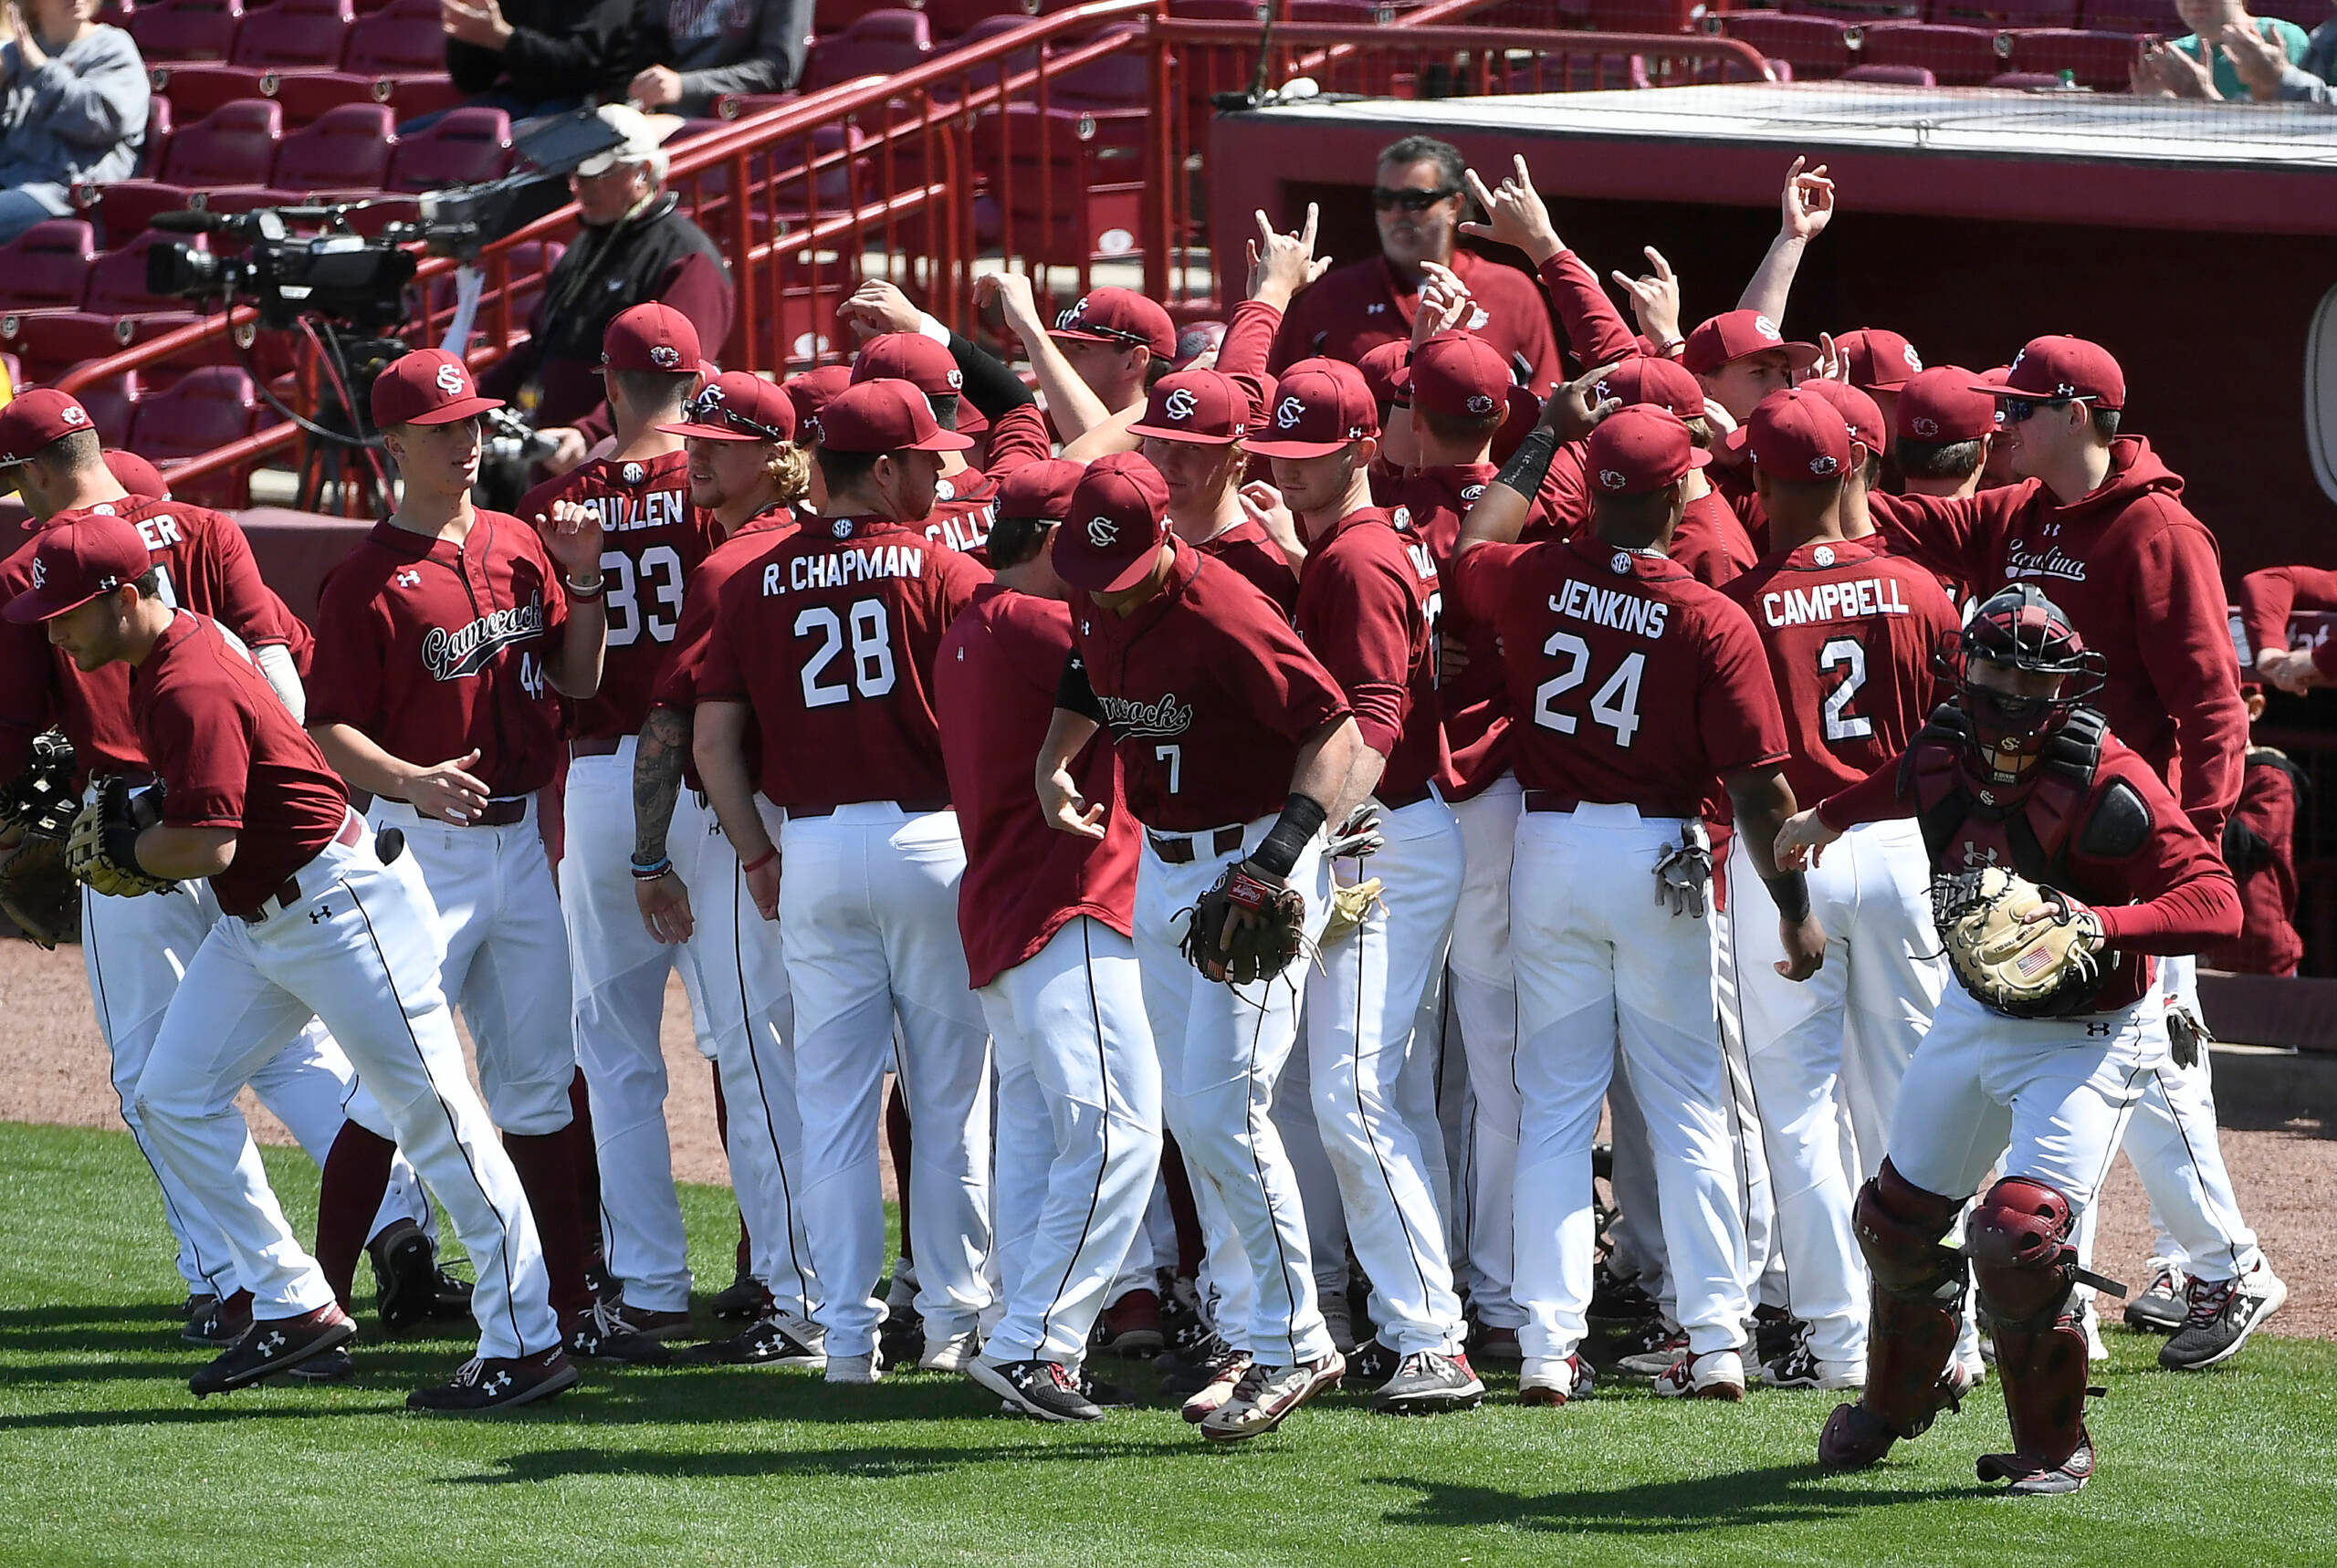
x=709 y=407
x=1383 y=198
x=2018 y=410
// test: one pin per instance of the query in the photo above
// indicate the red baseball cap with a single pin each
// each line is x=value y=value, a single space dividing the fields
x=1643 y=379
x=137 y=476
x=1858 y=410
x=1383 y=372
x=651 y=336
x=2049 y=370
x=1878 y=359
x=1460 y=376
x=1117 y=521
x=36 y=419
x=812 y=391
x=1736 y=334
x=1797 y=436
x=1041 y=489
x=1198 y=338
x=1206 y=408
x=1639 y=450
x=1525 y=413
x=1943 y=405
x=1323 y=405
x=737 y=405
x=428 y=386
x=885 y=415
x=1119 y=316
x=78 y=557
x=914 y=358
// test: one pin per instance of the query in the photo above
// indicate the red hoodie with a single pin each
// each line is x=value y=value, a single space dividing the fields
x=2142 y=580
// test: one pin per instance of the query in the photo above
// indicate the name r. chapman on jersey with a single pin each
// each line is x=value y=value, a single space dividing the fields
x=465 y=650
x=1130 y=718
x=840 y=569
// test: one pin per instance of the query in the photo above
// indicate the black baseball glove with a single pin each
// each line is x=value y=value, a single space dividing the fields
x=1245 y=928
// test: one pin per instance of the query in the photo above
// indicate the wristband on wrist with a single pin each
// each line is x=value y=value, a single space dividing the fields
x=1669 y=346
x=653 y=871
x=1301 y=817
x=592 y=590
x=1530 y=463
x=1791 y=890
x=760 y=860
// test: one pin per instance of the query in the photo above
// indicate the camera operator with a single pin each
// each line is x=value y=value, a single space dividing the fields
x=691 y=52
x=535 y=58
x=634 y=247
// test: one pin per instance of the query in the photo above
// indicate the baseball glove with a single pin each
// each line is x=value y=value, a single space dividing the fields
x=38 y=892
x=41 y=802
x=103 y=850
x=1245 y=928
x=2047 y=968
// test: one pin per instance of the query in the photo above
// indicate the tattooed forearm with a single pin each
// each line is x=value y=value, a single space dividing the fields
x=657 y=781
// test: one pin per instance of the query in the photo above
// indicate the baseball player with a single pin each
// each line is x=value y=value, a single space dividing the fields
x=747 y=473
x=1094 y=361
x=2017 y=774
x=1942 y=428
x=1214 y=703
x=826 y=644
x=453 y=633
x=134 y=950
x=314 y=919
x=1850 y=634
x=1367 y=605
x=1045 y=918
x=1600 y=635
x=652 y=540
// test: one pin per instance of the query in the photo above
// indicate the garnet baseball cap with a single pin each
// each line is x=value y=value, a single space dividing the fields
x=36 y=420
x=651 y=336
x=1117 y=523
x=812 y=391
x=1385 y=373
x=1943 y=405
x=78 y=557
x=1639 y=450
x=137 y=476
x=2049 y=370
x=1459 y=375
x=1206 y=408
x=1041 y=489
x=914 y=358
x=1665 y=383
x=1198 y=338
x=1858 y=410
x=428 y=386
x=1119 y=316
x=1878 y=359
x=885 y=415
x=1525 y=414
x=737 y=405
x=1322 y=405
x=1797 y=437
x=1736 y=334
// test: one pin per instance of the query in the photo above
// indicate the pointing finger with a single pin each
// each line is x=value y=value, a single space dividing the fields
x=1306 y=235
x=1477 y=189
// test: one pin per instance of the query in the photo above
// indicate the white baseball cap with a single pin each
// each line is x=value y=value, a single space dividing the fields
x=639 y=144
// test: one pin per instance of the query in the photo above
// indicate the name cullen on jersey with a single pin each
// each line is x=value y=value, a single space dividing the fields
x=451 y=656
x=1859 y=596
x=626 y=514
x=840 y=569
x=1611 y=607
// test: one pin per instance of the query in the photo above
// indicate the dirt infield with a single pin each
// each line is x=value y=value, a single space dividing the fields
x=53 y=1068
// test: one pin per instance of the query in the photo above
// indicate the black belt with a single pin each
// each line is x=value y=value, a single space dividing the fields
x=909 y=807
x=495 y=814
x=1398 y=802
x=286 y=896
x=595 y=745
x=1551 y=800
x=1178 y=850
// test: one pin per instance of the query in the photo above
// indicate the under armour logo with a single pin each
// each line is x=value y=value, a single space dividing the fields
x=664 y=356
x=409 y=579
x=1103 y=532
x=272 y=1344
x=1289 y=412
x=1379 y=310
x=498 y=1383
x=319 y=915
x=450 y=380
x=1181 y=404
x=1974 y=857
x=2097 y=1028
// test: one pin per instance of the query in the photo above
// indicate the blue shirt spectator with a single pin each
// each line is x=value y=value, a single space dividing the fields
x=73 y=100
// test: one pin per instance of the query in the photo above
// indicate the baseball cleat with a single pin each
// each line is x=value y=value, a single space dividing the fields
x=1656 y=1349
x=1372 y=1362
x=1130 y=1326
x=272 y=1345
x=198 y=1304
x=613 y=1332
x=1555 y=1383
x=222 y=1323
x=1620 y=1301
x=1968 y=1373
x=2224 y=1314
x=405 y=1277
x=1495 y=1344
x=1799 y=1369
x=333 y=1366
x=450 y=1298
x=1715 y=1375
x=2034 y=1477
x=773 y=1341
x=1214 y=1395
x=1106 y=1395
x=854 y=1368
x=1775 y=1333
x=1429 y=1383
x=2164 y=1304
x=1853 y=1438
x=604 y=1286
x=1042 y=1390
x=489 y=1386
x=744 y=1301
x=1267 y=1395
x=955 y=1353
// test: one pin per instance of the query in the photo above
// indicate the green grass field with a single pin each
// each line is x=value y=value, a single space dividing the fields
x=105 y=1459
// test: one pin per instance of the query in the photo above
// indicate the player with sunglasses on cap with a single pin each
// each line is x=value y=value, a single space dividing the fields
x=1093 y=361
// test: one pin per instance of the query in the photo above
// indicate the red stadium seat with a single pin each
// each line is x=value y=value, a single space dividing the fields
x=112 y=405
x=2026 y=81
x=157 y=143
x=188 y=29
x=1891 y=76
x=2005 y=12
x=468 y=144
x=116 y=312
x=47 y=266
x=348 y=149
x=880 y=43
x=233 y=147
x=2094 y=59
x=831 y=18
x=309 y=96
x=2130 y=17
x=958 y=18
x=204 y=408
x=984 y=76
x=397 y=41
x=1859 y=11
x=297 y=34
x=1816 y=47
x=1957 y=57
x=198 y=91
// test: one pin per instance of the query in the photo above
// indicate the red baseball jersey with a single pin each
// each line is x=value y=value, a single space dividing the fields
x=830 y=635
x=1368 y=609
x=1209 y=693
x=652 y=540
x=1474 y=697
x=1710 y=543
x=2140 y=580
x=965 y=505
x=1597 y=643
x=1250 y=551
x=2269 y=597
x=677 y=681
x=206 y=566
x=230 y=754
x=434 y=648
x=1850 y=633
x=1357 y=308
x=994 y=683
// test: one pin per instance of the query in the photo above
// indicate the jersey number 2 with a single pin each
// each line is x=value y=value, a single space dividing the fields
x=871 y=674
x=1616 y=703
x=1848 y=654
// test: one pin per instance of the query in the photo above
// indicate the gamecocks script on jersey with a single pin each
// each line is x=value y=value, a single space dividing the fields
x=840 y=569
x=1611 y=608
x=452 y=655
x=1130 y=718
x=1849 y=601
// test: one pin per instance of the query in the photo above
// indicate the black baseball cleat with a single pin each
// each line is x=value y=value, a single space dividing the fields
x=272 y=1345
x=197 y=1305
x=491 y=1385
x=1106 y=1395
x=2222 y=1314
x=772 y=1342
x=450 y=1297
x=1042 y=1390
x=2034 y=1477
x=745 y=1301
x=1775 y=1333
x=405 y=1277
x=222 y=1323
x=615 y=1331
x=335 y=1366
x=2164 y=1303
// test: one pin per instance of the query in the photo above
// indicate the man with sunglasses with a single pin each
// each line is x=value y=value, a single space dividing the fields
x=1419 y=196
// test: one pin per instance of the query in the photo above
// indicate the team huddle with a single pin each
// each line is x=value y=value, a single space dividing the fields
x=1261 y=810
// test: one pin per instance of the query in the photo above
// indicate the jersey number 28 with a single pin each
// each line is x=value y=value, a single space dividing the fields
x=870 y=669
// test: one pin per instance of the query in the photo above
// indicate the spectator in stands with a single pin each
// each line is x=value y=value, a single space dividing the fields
x=2269 y=74
x=2191 y=67
x=535 y=58
x=691 y=52
x=2259 y=846
x=73 y=99
x=634 y=245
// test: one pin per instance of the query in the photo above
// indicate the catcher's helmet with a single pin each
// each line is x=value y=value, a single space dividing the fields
x=2018 y=627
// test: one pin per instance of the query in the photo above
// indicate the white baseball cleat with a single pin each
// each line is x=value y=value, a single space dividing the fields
x=955 y=1353
x=854 y=1368
x=1715 y=1375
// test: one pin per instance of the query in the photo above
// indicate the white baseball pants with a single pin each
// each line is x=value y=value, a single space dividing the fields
x=1078 y=1134
x=1599 y=961
x=1483 y=999
x=1374 y=1082
x=1222 y=1051
x=868 y=922
x=360 y=949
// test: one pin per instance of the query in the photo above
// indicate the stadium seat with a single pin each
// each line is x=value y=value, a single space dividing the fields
x=231 y=147
x=2130 y=17
x=1857 y=11
x=958 y=18
x=983 y=75
x=156 y=146
x=116 y=312
x=187 y=29
x=2005 y=12
x=467 y=144
x=47 y=266
x=309 y=96
x=399 y=41
x=347 y=150
x=2094 y=59
x=112 y=405
x=297 y=34
x=2026 y=81
x=1816 y=47
x=881 y=42
x=829 y=18
x=206 y=407
x=1956 y=57
x=117 y=12
x=1891 y=76
x=197 y=90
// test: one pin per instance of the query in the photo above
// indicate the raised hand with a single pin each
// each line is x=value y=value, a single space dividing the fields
x=1808 y=203
x=1655 y=298
x=1514 y=214
x=1281 y=264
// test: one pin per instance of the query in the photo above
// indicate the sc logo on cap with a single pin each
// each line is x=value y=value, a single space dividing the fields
x=1180 y=404
x=450 y=380
x=664 y=356
x=40 y=571
x=1923 y=425
x=1822 y=465
x=1288 y=414
x=1915 y=360
x=1768 y=328
x=1612 y=478
x=71 y=415
x=1103 y=533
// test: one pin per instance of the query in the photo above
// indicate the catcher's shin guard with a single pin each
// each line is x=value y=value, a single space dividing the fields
x=1918 y=1309
x=2025 y=1267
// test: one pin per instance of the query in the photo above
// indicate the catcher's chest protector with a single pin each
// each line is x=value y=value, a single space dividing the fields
x=1968 y=825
